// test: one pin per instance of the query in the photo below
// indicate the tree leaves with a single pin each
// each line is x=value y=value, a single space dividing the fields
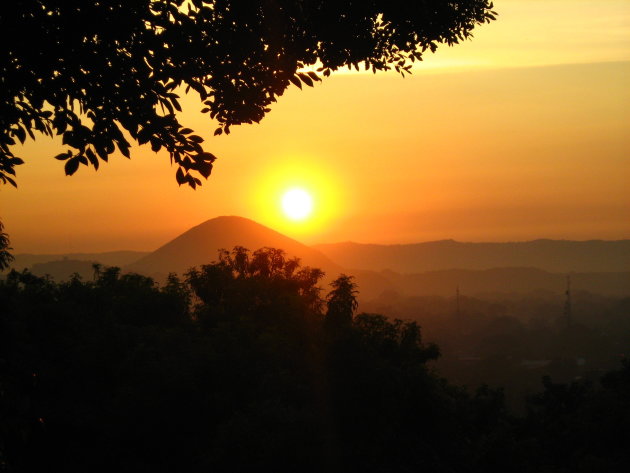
x=71 y=166
x=307 y=79
x=179 y=176
x=124 y=67
x=296 y=81
x=204 y=169
x=63 y=156
x=92 y=157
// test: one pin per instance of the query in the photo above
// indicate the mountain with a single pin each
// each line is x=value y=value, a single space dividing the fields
x=496 y=281
x=63 y=270
x=434 y=268
x=549 y=255
x=200 y=245
x=109 y=258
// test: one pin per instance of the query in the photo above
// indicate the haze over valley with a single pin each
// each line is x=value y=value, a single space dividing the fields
x=432 y=268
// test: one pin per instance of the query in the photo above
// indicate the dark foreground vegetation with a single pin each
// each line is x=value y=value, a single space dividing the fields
x=245 y=366
x=513 y=340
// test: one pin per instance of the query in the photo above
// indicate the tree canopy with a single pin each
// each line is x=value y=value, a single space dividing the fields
x=5 y=246
x=105 y=74
x=235 y=368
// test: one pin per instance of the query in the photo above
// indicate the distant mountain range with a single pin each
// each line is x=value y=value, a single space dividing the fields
x=433 y=268
x=491 y=282
x=109 y=258
x=549 y=255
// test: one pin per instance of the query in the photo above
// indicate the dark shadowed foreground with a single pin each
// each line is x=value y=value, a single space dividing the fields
x=245 y=367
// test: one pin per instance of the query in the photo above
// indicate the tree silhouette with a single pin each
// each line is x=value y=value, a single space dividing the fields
x=5 y=256
x=341 y=302
x=105 y=74
x=233 y=370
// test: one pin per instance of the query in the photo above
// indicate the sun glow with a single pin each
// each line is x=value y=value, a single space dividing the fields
x=298 y=196
x=297 y=204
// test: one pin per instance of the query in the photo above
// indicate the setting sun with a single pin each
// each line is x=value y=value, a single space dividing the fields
x=297 y=204
x=300 y=197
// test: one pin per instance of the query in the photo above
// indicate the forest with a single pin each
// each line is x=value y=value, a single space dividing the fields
x=246 y=364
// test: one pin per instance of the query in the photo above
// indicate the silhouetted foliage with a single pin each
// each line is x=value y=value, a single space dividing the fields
x=580 y=427
x=5 y=246
x=341 y=302
x=512 y=341
x=101 y=73
x=235 y=369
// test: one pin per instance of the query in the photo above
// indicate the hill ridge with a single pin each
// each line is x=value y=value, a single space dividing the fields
x=548 y=254
x=200 y=244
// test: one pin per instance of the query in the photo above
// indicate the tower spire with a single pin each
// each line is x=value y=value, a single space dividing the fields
x=457 y=313
x=567 y=304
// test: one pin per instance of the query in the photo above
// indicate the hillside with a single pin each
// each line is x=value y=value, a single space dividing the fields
x=108 y=258
x=434 y=268
x=200 y=245
x=495 y=281
x=549 y=255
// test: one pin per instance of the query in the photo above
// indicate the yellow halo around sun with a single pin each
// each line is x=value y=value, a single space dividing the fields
x=297 y=204
x=297 y=195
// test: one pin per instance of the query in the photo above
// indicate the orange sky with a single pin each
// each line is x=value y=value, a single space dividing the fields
x=522 y=133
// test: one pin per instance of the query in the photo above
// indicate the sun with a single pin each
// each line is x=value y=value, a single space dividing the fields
x=297 y=195
x=297 y=204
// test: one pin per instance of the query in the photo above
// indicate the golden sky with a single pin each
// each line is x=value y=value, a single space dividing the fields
x=521 y=133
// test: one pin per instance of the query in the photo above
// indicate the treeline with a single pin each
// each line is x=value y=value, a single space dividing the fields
x=244 y=365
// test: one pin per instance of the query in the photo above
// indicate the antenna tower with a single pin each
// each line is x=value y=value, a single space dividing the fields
x=567 y=304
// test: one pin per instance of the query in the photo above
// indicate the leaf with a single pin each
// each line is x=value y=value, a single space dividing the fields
x=196 y=138
x=11 y=181
x=204 y=168
x=155 y=144
x=63 y=156
x=101 y=152
x=144 y=135
x=60 y=125
x=176 y=104
x=295 y=81
x=179 y=176
x=124 y=149
x=92 y=157
x=306 y=79
x=218 y=131
x=185 y=131
x=205 y=156
x=20 y=133
x=71 y=166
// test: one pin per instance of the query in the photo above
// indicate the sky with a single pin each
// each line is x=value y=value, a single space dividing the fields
x=521 y=133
